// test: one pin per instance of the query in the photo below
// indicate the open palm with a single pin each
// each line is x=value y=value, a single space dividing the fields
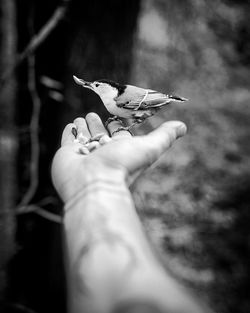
x=120 y=155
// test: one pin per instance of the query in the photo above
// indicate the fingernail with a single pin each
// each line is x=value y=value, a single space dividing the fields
x=181 y=130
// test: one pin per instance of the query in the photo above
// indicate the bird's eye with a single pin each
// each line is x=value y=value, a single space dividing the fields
x=97 y=85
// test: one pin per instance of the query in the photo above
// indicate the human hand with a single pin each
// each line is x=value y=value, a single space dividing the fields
x=120 y=157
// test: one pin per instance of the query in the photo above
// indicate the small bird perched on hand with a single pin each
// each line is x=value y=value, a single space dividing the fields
x=127 y=101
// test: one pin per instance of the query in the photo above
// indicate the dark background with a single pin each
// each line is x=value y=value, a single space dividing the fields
x=194 y=202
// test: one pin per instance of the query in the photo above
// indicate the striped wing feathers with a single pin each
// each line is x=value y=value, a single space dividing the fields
x=143 y=99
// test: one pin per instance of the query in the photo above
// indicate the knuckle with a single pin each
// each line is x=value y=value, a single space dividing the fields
x=171 y=136
x=150 y=156
x=148 y=149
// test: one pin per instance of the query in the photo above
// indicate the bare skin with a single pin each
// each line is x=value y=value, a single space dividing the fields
x=124 y=153
x=110 y=263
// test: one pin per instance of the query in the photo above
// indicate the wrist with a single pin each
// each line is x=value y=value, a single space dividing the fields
x=98 y=171
x=94 y=176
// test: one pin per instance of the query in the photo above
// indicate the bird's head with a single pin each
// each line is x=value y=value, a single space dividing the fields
x=106 y=89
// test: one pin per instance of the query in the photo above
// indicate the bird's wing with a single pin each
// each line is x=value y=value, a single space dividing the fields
x=145 y=99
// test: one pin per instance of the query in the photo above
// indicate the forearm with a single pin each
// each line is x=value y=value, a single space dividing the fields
x=109 y=257
x=104 y=214
x=105 y=242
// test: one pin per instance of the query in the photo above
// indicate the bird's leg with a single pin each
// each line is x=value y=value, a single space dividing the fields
x=127 y=128
x=111 y=119
x=140 y=117
x=122 y=128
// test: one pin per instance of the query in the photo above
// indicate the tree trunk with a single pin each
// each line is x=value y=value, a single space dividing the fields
x=8 y=138
x=101 y=47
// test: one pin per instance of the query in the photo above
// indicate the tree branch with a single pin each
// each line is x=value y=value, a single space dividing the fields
x=24 y=207
x=37 y=209
x=34 y=134
x=20 y=307
x=40 y=211
x=36 y=40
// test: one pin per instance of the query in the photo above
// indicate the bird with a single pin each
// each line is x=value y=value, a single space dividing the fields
x=127 y=101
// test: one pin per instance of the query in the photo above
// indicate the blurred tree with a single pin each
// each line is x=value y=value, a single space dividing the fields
x=94 y=40
x=100 y=45
x=198 y=48
x=8 y=137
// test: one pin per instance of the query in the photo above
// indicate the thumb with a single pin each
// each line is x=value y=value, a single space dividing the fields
x=160 y=139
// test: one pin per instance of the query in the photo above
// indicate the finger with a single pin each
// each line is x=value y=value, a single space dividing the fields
x=67 y=135
x=82 y=129
x=159 y=140
x=95 y=124
x=114 y=125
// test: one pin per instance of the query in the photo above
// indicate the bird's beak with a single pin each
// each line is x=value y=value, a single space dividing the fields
x=82 y=82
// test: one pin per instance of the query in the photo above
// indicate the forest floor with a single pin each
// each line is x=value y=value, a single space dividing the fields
x=195 y=202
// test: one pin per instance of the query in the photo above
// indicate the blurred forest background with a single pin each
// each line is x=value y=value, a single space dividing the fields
x=194 y=202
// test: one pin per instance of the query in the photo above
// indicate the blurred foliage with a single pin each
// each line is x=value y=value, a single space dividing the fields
x=195 y=201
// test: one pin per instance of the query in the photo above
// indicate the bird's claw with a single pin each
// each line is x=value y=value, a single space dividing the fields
x=122 y=128
x=111 y=119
